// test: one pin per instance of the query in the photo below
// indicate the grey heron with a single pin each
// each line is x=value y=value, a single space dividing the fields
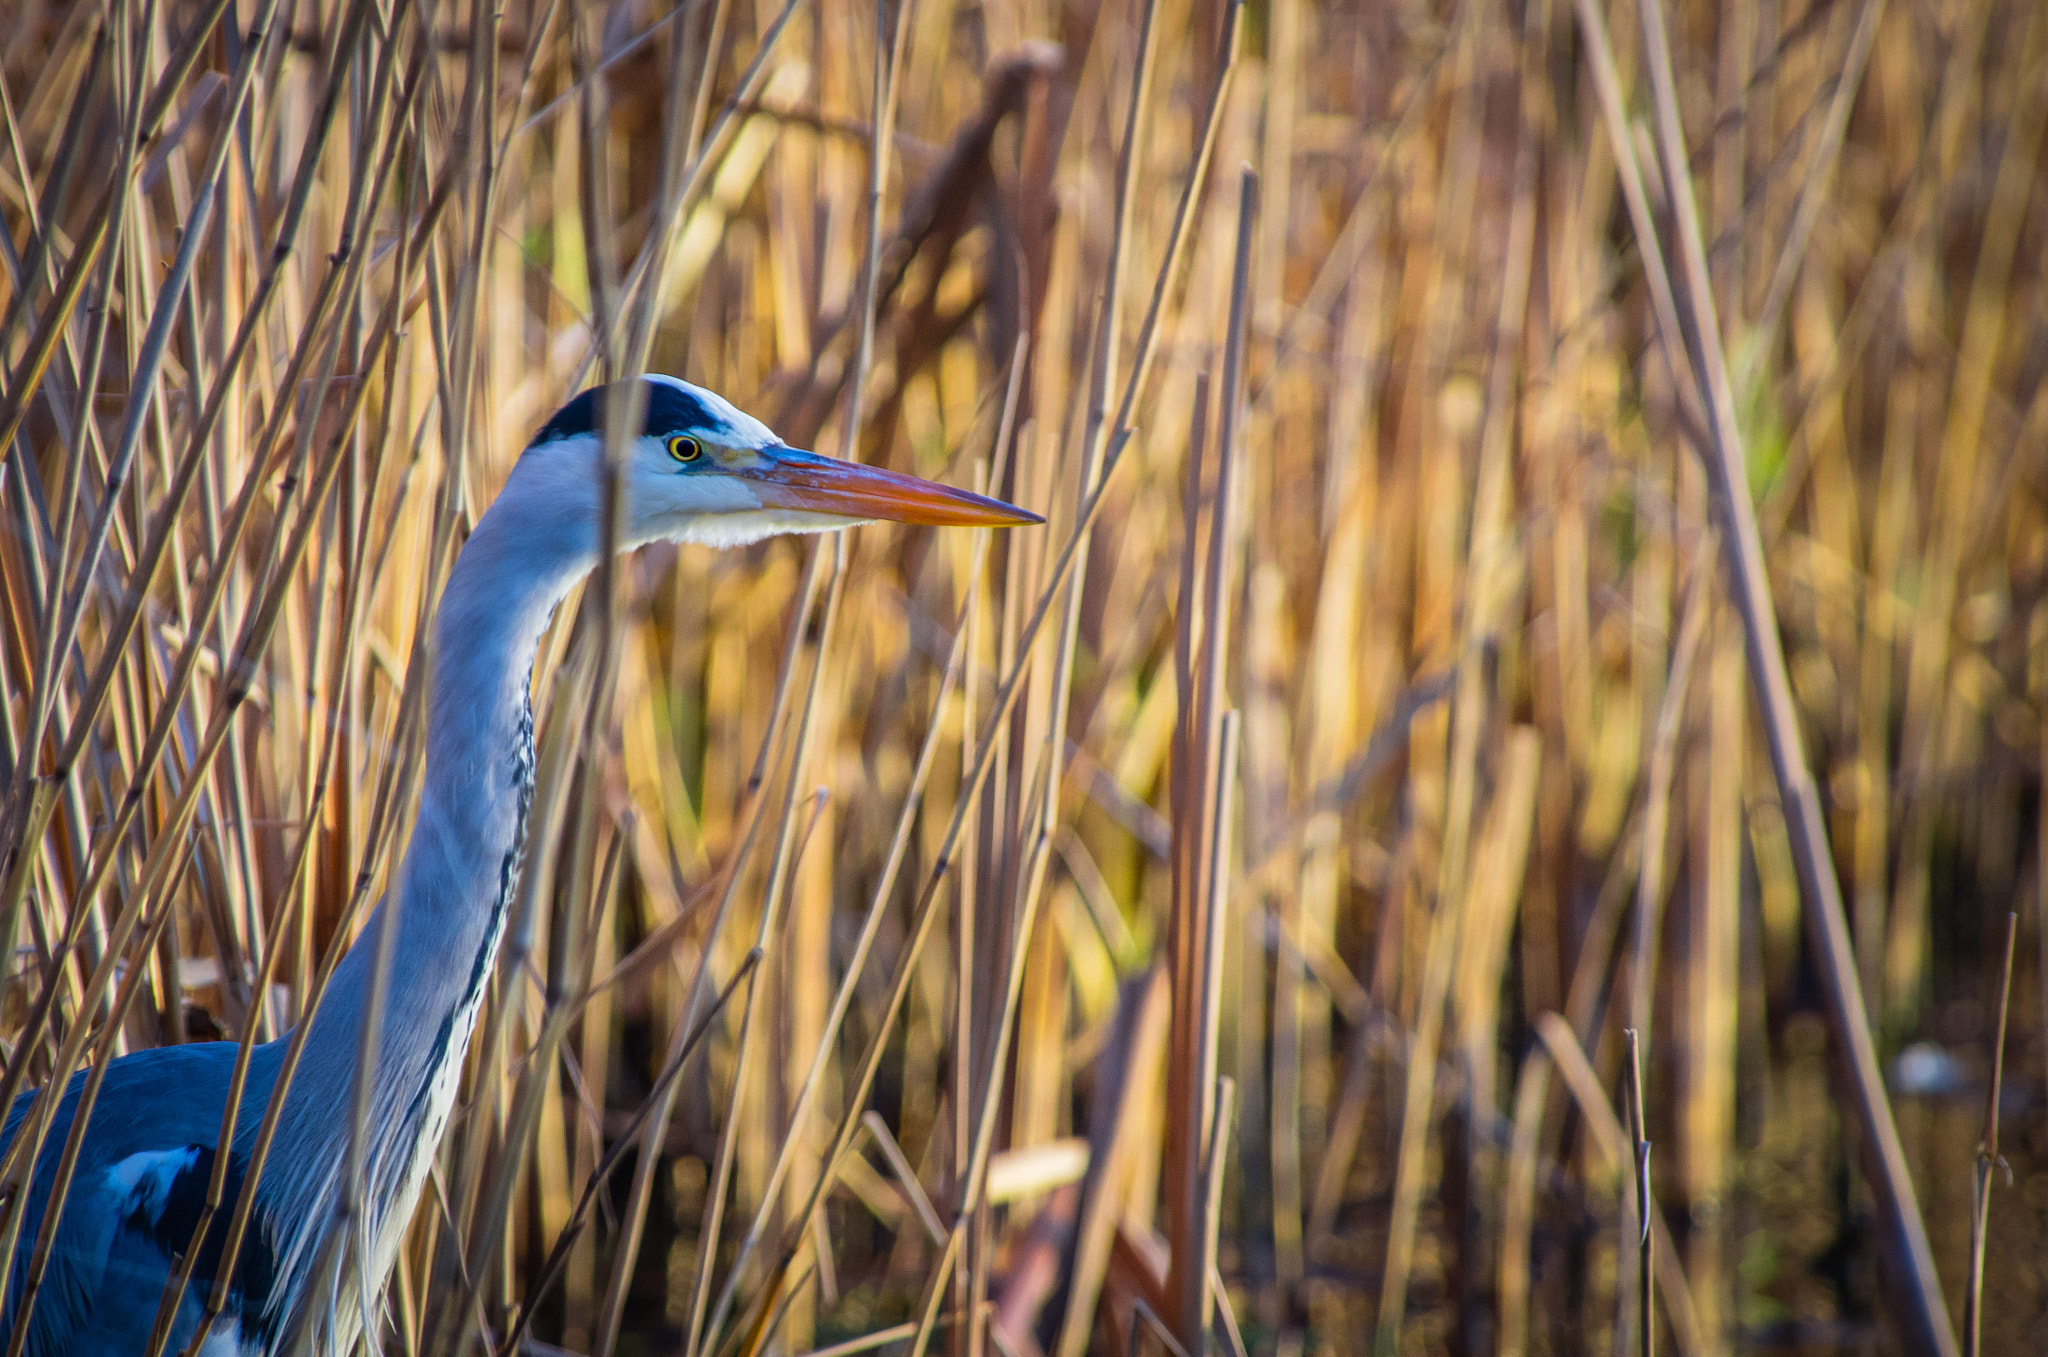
x=696 y=470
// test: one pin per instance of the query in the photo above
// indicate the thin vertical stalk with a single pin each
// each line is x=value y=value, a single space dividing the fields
x=1639 y=1179
x=1657 y=796
x=1217 y=1091
x=1988 y=1162
x=1198 y=826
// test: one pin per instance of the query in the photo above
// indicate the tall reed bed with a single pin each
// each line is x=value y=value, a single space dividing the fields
x=1546 y=540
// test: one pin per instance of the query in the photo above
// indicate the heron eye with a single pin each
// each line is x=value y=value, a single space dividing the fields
x=684 y=448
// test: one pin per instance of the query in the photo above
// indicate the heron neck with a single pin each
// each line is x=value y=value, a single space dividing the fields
x=524 y=556
x=461 y=867
x=448 y=901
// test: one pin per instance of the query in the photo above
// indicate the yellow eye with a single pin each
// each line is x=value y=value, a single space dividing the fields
x=684 y=448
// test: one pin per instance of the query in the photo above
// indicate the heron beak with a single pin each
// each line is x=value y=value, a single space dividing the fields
x=808 y=483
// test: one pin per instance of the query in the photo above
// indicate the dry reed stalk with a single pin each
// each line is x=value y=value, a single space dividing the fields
x=572 y=1229
x=1500 y=853
x=1203 y=762
x=1650 y=882
x=1096 y=443
x=45 y=687
x=812 y=1079
x=1531 y=1091
x=1615 y=1146
x=141 y=120
x=1705 y=1027
x=1639 y=1179
x=1512 y=1284
x=1143 y=1019
x=1818 y=170
x=1444 y=753
x=1922 y=1304
x=1988 y=1160
x=721 y=1174
x=887 y=56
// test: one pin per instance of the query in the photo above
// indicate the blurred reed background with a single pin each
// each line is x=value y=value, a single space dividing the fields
x=1367 y=741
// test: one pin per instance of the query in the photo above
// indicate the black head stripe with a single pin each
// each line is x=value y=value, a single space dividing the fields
x=579 y=416
x=669 y=410
x=673 y=410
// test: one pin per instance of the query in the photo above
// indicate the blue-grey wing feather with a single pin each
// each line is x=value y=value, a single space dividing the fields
x=135 y=1199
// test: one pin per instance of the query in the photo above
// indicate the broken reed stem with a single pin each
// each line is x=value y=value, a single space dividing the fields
x=1212 y=1114
x=1988 y=1161
x=1215 y=1169
x=1231 y=1333
x=1613 y=1142
x=1632 y=1095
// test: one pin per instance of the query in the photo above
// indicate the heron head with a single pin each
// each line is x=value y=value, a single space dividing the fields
x=701 y=470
